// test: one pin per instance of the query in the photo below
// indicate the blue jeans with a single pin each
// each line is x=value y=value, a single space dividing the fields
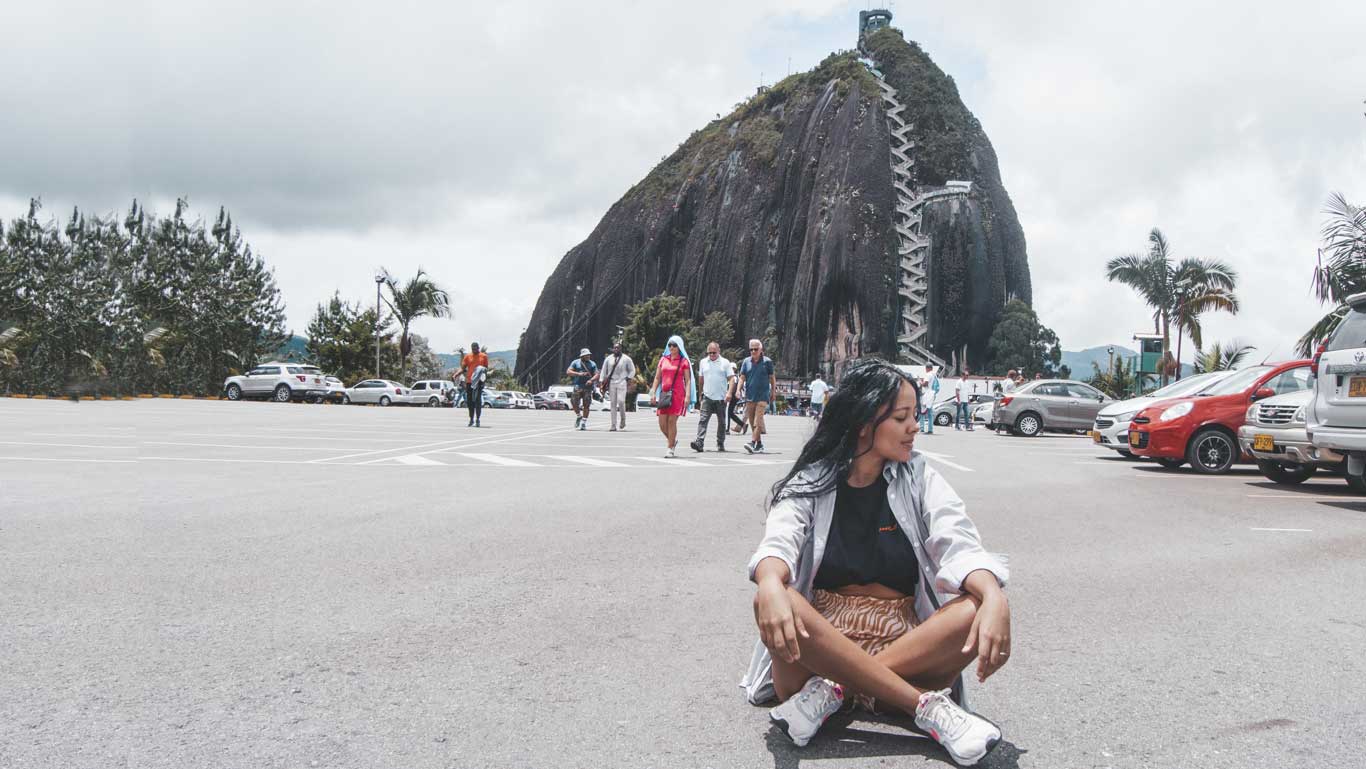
x=964 y=416
x=927 y=420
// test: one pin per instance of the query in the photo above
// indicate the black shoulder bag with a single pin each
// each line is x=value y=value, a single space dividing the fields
x=666 y=399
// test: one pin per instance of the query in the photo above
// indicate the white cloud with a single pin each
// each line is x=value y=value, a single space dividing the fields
x=483 y=141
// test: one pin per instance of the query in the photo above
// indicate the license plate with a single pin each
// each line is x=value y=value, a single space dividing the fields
x=1133 y=439
x=1095 y=436
x=1356 y=387
x=1263 y=443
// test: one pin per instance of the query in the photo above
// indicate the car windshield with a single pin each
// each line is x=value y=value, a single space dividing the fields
x=1191 y=384
x=1236 y=383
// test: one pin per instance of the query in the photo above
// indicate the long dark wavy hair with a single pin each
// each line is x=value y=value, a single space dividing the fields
x=865 y=397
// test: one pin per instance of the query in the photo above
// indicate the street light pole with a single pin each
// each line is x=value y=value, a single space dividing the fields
x=379 y=281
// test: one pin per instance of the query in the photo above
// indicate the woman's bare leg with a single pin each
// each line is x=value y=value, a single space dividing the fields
x=931 y=654
x=664 y=426
x=828 y=653
x=672 y=433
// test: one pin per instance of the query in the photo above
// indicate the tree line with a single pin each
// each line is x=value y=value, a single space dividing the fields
x=116 y=306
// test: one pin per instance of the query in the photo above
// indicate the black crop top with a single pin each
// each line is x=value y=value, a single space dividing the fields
x=866 y=544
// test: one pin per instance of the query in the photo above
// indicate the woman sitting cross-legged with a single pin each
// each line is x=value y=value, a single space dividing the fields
x=873 y=586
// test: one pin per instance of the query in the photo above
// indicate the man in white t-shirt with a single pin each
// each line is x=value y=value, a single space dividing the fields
x=819 y=389
x=714 y=377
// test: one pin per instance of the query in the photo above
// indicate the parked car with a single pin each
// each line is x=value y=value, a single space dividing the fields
x=1336 y=415
x=1049 y=404
x=381 y=391
x=278 y=381
x=430 y=392
x=946 y=410
x=336 y=390
x=1111 y=428
x=981 y=413
x=551 y=401
x=498 y=399
x=485 y=397
x=643 y=401
x=1276 y=437
x=1203 y=428
x=521 y=400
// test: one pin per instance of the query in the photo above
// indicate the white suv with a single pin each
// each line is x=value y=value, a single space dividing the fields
x=430 y=392
x=278 y=381
x=1337 y=414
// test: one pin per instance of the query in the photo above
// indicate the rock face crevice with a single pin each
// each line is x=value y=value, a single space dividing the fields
x=781 y=216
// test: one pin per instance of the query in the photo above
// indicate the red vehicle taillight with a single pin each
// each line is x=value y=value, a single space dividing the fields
x=1006 y=400
x=1314 y=364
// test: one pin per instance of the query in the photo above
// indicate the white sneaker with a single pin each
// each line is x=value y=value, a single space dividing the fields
x=669 y=454
x=966 y=736
x=803 y=714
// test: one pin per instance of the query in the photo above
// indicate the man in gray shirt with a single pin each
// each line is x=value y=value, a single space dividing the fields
x=617 y=369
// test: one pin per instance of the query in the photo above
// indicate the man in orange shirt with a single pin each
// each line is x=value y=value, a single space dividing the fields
x=474 y=368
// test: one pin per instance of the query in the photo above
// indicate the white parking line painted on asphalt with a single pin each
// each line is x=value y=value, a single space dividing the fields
x=63 y=459
x=417 y=459
x=445 y=445
x=237 y=446
x=679 y=461
x=494 y=459
x=1254 y=528
x=939 y=459
x=585 y=460
x=1344 y=497
x=67 y=445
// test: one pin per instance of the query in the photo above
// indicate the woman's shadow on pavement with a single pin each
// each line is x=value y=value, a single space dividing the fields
x=841 y=737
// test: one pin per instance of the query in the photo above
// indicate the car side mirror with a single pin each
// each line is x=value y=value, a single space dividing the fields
x=1263 y=392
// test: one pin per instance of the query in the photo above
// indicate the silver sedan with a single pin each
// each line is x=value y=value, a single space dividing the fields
x=381 y=391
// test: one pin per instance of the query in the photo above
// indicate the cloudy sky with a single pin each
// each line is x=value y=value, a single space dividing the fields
x=482 y=141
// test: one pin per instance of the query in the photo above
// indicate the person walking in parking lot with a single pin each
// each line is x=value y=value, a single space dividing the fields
x=618 y=370
x=963 y=409
x=931 y=390
x=584 y=373
x=818 y=389
x=897 y=598
x=671 y=402
x=715 y=377
x=758 y=380
x=474 y=368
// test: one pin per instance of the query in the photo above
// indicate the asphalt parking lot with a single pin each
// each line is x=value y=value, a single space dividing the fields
x=214 y=584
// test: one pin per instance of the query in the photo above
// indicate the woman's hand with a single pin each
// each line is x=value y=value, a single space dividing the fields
x=779 y=625
x=990 y=634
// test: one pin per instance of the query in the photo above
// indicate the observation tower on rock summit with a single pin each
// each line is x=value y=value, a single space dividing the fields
x=914 y=278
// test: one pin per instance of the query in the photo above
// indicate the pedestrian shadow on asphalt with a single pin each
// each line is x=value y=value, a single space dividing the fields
x=1340 y=489
x=841 y=737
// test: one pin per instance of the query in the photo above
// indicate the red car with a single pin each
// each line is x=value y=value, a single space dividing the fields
x=1203 y=428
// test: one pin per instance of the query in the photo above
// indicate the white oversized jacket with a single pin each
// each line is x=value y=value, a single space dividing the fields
x=947 y=547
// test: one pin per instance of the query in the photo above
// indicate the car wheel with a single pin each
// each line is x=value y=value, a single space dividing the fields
x=1285 y=474
x=1356 y=482
x=1212 y=451
x=433 y=401
x=234 y=392
x=282 y=394
x=943 y=420
x=384 y=400
x=346 y=399
x=1028 y=424
x=1170 y=464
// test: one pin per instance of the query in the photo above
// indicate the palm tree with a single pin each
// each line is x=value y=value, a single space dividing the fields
x=1177 y=293
x=1344 y=243
x=419 y=297
x=1221 y=357
x=1200 y=286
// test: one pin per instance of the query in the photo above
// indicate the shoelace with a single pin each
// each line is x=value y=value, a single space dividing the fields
x=945 y=715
